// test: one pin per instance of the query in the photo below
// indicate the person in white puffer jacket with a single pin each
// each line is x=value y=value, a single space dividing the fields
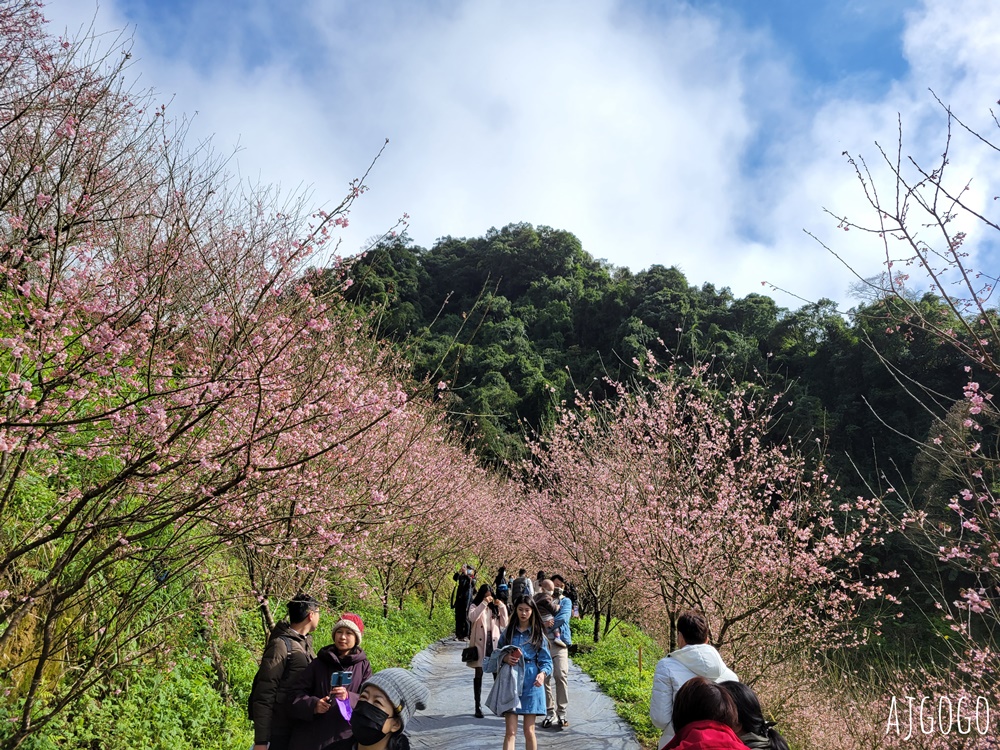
x=695 y=657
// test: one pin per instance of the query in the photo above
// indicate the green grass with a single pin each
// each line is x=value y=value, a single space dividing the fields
x=152 y=709
x=614 y=665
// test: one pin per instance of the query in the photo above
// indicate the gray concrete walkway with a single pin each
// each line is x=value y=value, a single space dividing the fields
x=448 y=722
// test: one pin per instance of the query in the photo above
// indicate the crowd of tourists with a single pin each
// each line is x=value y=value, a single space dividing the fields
x=519 y=631
x=516 y=629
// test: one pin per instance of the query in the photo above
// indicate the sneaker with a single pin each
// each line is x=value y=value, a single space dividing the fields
x=559 y=643
x=563 y=723
x=548 y=722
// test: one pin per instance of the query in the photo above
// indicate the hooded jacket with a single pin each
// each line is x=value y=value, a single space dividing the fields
x=312 y=731
x=676 y=668
x=398 y=742
x=705 y=735
x=288 y=652
x=505 y=695
x=755 y=741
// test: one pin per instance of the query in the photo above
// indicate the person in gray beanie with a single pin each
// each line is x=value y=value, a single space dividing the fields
x=387 y=702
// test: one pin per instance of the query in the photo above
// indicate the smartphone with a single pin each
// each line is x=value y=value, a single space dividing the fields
x=341 y=679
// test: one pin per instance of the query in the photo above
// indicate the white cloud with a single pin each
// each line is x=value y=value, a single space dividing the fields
x=630 y=130
x=956 y=59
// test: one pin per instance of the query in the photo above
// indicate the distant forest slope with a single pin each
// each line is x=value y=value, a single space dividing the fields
x=520 y=318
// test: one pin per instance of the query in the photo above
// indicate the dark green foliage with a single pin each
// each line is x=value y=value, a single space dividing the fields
x=518 y=319
x=391 y=280
x=523 y=317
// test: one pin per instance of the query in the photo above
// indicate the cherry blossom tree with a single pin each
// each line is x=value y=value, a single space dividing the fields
x=936 y=228
x=412 y=528
x=171 y=388
x=579 y=499
x=693 y=505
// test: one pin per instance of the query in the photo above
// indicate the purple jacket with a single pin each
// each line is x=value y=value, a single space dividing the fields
x=312 y=731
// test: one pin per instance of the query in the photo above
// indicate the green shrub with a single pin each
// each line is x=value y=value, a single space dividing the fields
x=151 y=710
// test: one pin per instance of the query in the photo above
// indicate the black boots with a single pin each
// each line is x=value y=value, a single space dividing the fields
x=477 y=690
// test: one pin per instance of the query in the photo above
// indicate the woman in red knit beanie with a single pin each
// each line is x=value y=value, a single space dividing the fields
x=322 y=711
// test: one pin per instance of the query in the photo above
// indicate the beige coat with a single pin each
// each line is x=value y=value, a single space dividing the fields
x=482 y=622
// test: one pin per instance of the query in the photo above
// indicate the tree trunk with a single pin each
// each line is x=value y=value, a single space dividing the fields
x=668 y=605
x=266 y=618
x=222 y=678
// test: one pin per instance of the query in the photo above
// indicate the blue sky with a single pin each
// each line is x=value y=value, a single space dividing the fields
x=830 y=42
x=706 y=135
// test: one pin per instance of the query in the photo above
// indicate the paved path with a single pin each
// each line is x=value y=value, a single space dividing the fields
x=448 y=722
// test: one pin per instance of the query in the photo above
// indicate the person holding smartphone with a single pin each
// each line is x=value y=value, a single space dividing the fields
x=525 y=632
x=325 y=694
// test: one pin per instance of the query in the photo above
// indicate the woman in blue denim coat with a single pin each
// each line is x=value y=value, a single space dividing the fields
x=525 y=632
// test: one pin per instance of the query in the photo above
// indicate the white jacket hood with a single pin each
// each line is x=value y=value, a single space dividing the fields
x=704 y=660
x=672 y=671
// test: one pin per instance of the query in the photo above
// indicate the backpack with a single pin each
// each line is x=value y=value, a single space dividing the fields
x=253 y=687
x=518 y=587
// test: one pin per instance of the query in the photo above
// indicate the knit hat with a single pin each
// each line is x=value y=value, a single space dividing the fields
x=353 y=623
x=406 y=692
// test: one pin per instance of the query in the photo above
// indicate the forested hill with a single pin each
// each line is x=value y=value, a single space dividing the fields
x=517 y=319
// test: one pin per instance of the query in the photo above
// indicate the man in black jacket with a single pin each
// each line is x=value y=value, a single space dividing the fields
x=466 y=579
x=289 y=650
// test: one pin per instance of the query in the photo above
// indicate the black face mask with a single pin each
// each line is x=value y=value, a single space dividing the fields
x=367 y=721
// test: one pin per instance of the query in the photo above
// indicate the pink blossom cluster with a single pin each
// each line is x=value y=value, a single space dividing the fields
x=675 y=497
